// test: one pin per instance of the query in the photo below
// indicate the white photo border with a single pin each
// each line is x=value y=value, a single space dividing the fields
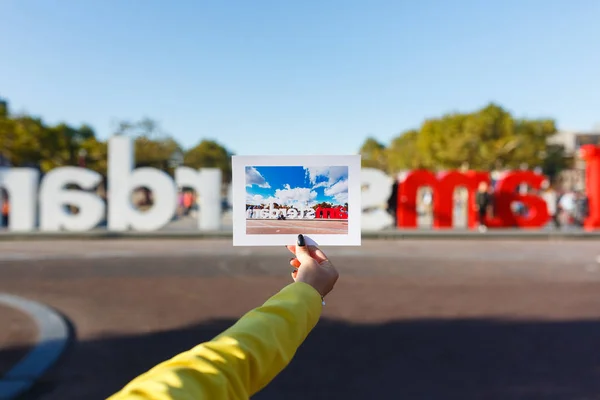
x=239 y=164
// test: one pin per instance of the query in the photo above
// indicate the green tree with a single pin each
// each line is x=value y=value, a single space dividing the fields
x=153 y=146
x=484 y=139
x=60 y=145
x=27 y=141
x=95 y=154
x=210 y=154
x=554 y=160
x=155 y=153
x=373 y=154
x=403 y=154
x=3 y=108
x=23 y=139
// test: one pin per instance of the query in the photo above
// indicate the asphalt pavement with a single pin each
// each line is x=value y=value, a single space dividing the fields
x=417 y=319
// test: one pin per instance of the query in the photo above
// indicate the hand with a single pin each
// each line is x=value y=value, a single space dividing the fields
x=312 y=267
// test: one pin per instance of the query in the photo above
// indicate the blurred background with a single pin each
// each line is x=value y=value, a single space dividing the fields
x=463 y=85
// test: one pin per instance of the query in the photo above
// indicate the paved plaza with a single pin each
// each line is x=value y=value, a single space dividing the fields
x=443 y=319
x=290 y=226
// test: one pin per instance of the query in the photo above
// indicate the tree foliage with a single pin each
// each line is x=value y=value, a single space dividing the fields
x=485 y=139
x=373 y=154
x=210 y=154
x=28 y=141
x=152 y=145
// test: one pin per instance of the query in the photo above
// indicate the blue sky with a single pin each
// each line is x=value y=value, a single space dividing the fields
x=295 y=186
x=306 y=77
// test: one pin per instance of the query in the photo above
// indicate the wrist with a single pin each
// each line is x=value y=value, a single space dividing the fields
x=311 y=291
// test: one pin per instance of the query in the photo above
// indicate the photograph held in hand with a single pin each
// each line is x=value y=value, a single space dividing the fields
x=277 y=198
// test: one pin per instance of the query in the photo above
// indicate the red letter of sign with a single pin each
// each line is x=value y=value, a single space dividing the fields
x=407 y=196
x=443 y=200
x=591 y=155
x=506 y=193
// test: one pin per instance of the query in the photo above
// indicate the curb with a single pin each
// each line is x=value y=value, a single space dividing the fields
x=53 y=337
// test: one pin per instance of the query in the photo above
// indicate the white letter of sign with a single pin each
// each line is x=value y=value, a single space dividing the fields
x=122 y=179
x=54 y=197
x=21 y=185
x=374 y=199
x=207 y=184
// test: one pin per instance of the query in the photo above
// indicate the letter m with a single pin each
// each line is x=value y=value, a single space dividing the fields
x=321 y=212
x=443 y=186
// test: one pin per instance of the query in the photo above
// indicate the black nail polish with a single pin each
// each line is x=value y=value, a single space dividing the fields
x=301 y=240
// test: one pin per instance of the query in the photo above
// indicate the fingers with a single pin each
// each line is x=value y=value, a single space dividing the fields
x=294 y=262
x=294 y=274
x=318 y=254
x=291 y=248
x=302 y=252
x=314 y=252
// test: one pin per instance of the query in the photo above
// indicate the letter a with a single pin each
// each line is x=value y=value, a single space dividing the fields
x=54 y=196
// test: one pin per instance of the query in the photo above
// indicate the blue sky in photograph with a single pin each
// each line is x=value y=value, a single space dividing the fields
x=298 y=77
x=294 y=186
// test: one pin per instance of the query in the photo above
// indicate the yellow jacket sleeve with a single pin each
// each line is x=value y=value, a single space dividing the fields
x=240 y=361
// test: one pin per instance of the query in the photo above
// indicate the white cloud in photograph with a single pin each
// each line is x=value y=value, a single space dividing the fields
x=288 y=197
x=291 y=196
x=332 y=174
x=341 y=198
x=255 y=199
x=339 y=191
x=339 y=187
x=253 y=177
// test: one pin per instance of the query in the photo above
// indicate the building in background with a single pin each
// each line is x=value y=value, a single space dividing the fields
x=574 y=178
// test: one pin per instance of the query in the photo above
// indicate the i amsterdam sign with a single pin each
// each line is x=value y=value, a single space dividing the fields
x=26 y=198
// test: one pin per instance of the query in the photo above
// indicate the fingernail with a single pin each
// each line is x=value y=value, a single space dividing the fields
x=301 y=240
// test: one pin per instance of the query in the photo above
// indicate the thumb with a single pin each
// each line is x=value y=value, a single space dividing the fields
x=302 y=252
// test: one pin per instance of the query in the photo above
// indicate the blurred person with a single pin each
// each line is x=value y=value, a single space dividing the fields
x=188 y=202
x=550 y=196
x=392 y=202
x=137 y=198
x=559 y=209
x=518 y=206
x=5 y=208
x=246 y=357
x=483 y=202
x=581 y=208
x=491 y=201
x=180 y=206
x=567 y=204
x=428 y=201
